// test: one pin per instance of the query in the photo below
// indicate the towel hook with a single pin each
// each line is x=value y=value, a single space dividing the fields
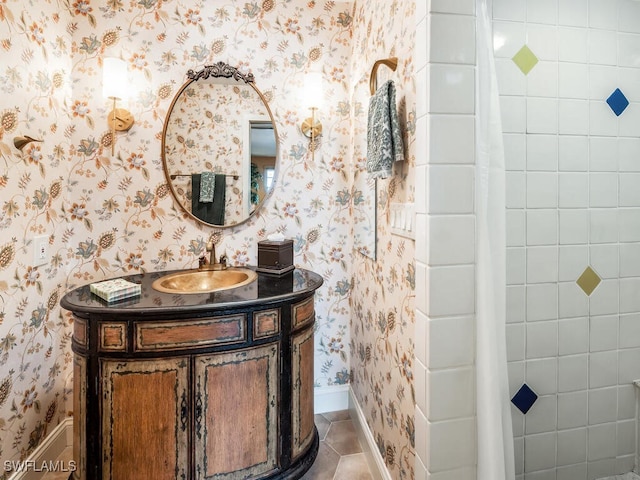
x=392 y=63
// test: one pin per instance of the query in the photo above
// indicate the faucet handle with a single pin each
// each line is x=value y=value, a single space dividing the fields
x=215 y=237
x=223 y=258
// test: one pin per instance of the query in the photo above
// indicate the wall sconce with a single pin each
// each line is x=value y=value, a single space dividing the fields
x=312 y=98
x=114 y=86
x=22 y=141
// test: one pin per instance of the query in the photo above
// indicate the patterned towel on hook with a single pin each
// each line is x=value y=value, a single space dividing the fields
x=384 y=139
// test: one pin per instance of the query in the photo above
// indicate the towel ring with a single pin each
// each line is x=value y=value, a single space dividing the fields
x=392 y=63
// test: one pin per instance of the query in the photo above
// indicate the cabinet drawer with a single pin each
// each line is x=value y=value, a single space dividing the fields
x=266 y=323
x=113 y=337
x=80 y=331
x=303 y=312
x=190 y=333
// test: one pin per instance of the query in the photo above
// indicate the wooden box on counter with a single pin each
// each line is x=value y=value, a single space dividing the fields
x=275 y=256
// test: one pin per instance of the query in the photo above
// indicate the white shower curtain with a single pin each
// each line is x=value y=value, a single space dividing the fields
x=495 y=437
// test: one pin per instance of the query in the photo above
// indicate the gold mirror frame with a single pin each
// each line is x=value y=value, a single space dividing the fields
x=220 y=70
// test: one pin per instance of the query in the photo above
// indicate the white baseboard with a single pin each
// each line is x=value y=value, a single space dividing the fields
x=49 y=450
x=330 y=399
x=374 y=458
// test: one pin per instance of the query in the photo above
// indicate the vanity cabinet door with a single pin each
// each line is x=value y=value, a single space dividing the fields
x=302 y=414
x=235 y=413
x=145 y=419
x=80 y=416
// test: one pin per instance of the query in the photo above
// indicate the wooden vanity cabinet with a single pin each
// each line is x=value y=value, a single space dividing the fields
x=224 y=395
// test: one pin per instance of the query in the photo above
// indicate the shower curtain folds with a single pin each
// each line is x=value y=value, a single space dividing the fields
x=494 y=432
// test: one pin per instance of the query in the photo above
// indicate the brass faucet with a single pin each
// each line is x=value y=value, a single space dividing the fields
x=211 y=248
x=212 y=264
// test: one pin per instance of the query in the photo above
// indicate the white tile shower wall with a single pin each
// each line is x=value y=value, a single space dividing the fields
x=445 y=250
x=421 y=350
x=573 y=201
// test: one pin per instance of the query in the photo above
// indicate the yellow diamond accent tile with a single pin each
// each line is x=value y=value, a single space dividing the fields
x=525 y=59
x=588 y=281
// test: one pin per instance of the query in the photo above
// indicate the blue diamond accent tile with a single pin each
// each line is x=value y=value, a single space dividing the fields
x=618 y=102
x=524 y=398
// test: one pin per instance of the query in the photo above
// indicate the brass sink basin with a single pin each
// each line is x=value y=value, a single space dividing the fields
x=204 y=281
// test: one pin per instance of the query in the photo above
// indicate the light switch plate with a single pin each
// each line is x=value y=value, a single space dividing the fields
x=40 y=250
x=403 y=220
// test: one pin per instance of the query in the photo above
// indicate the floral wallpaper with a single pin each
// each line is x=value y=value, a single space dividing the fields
x=383 y=293
x=107 y=216
x=36 y=93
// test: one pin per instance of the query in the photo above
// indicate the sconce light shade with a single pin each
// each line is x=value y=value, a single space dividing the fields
x=312 y=92
x=114 y=78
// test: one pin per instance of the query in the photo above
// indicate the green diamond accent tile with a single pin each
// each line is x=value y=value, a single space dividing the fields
x=525 y=59
x=588 y=281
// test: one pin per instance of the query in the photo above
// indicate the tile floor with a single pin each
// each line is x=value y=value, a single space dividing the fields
x=340 y=456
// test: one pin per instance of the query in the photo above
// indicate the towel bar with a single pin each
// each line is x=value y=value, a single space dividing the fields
x=391 y=62
x=174 y=176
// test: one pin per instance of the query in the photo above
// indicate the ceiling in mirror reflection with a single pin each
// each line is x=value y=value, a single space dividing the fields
x=262 y=140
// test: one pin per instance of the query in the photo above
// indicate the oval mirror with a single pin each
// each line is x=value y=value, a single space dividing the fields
x=220 y=146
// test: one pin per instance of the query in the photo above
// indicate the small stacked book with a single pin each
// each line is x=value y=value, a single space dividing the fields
x=116 y=289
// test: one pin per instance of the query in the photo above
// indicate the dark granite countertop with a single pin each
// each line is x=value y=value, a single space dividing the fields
x=266 y=289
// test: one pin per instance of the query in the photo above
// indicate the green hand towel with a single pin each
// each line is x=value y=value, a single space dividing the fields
x=210 y=212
